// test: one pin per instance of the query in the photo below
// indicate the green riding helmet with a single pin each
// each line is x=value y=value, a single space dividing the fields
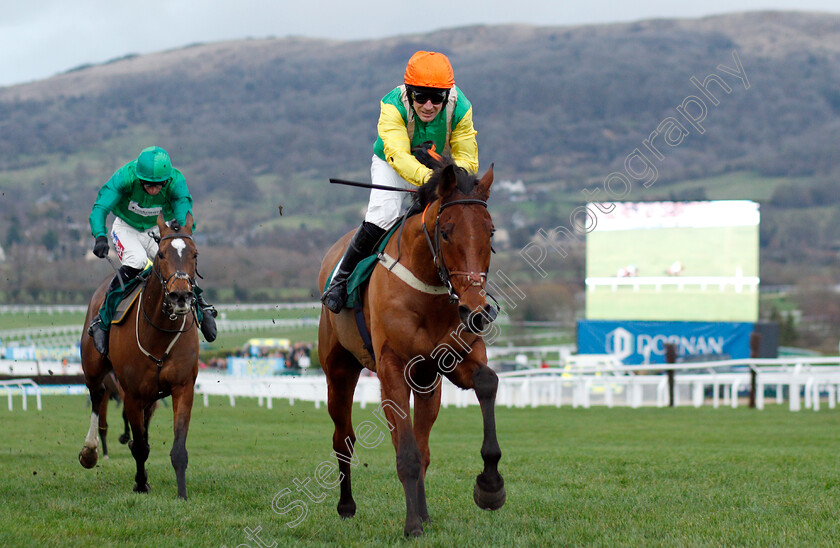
x=154 y=165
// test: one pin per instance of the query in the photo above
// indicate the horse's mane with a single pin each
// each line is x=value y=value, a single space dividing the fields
x=427 y=193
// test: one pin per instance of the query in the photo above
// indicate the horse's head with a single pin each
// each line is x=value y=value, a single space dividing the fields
x=175 y=266
x=459 y=229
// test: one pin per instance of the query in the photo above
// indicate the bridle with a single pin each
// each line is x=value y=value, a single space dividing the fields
x=476 y=279
x=177 y=275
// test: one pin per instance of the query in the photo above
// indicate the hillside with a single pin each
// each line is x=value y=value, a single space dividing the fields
x=256 y=124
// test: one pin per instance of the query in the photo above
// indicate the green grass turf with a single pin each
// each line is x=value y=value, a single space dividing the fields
x=602 y=477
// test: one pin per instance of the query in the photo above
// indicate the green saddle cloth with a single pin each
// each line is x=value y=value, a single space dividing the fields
x=363 y=270
x=112 y=299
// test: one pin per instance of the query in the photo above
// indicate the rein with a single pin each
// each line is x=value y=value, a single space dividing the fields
x=477 y=279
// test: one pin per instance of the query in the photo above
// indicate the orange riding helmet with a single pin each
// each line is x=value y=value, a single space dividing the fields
x=429 y=69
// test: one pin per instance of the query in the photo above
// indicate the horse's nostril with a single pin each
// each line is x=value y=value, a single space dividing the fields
x=490 y=312
x=474 y=320
x=182 y=298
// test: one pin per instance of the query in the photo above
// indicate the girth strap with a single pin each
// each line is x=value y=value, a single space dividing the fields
x=367 y=342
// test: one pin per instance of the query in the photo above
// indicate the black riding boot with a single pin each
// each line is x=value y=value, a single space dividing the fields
x=99 y=331
x=361 y=246
x=208 y=321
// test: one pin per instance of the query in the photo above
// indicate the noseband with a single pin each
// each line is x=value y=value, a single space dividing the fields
x=178 y=275
x=477 y=279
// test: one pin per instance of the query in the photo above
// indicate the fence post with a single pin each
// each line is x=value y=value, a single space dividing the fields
x=671 y=357
x=755 y=342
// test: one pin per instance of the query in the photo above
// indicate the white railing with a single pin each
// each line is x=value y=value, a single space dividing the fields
x=22 y=386
x=740 y=283
x=585 y=381
x=71 y=334
x=81 y=308
x=34 y=368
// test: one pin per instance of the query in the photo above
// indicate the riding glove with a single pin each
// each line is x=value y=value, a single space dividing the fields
x=100 y=248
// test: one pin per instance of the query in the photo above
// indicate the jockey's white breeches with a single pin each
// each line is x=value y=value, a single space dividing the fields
x=384 y=206
x=134 y=247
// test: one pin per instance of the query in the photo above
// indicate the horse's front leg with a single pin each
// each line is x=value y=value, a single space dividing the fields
x=395 y=402
x=139 y=446
x=182 y=400
x=489 y=490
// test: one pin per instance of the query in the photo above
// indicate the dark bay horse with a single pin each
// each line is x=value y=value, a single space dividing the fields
x=153 y=352
x=419 y=329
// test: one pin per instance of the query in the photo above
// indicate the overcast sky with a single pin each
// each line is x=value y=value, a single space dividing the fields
x=42 y=38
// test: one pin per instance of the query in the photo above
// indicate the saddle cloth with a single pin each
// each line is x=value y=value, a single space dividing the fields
x=363 y=270
x=125 y=299
x=125 y=304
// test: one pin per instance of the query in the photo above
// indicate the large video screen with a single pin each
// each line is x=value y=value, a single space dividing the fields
x=674 y=261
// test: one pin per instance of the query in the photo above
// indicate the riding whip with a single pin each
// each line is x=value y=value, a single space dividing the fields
x=117 y=272
x=369 y=185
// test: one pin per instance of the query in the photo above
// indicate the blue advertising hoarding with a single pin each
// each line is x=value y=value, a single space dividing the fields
x=638 y=342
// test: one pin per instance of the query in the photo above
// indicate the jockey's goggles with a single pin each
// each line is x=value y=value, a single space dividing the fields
x=153 y=183
x=435 y=96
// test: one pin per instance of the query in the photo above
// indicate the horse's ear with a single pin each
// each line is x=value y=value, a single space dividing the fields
x=483 y=188
x=161 y=223
x=189 y=223
x=448 y=182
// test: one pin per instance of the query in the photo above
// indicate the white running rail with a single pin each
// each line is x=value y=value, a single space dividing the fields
x=23 y=386
x=584 y=381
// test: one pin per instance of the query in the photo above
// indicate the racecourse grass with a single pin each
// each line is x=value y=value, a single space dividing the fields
x=600 y=477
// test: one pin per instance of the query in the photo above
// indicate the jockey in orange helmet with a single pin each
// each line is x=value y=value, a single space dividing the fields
x=428 y=106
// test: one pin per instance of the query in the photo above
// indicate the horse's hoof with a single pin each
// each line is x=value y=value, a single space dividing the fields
x=88 y=457
x=124 y=439
x=487 y=500
x=347 y=511
x=413 y=532
x=105 y=457
x=145 y=489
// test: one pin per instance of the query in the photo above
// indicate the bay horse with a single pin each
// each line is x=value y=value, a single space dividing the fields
x=419 y=330
x=153 y=352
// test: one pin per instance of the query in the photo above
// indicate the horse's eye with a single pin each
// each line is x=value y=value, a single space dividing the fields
x=195 y=255
x=160 y=255
x=445 y=235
